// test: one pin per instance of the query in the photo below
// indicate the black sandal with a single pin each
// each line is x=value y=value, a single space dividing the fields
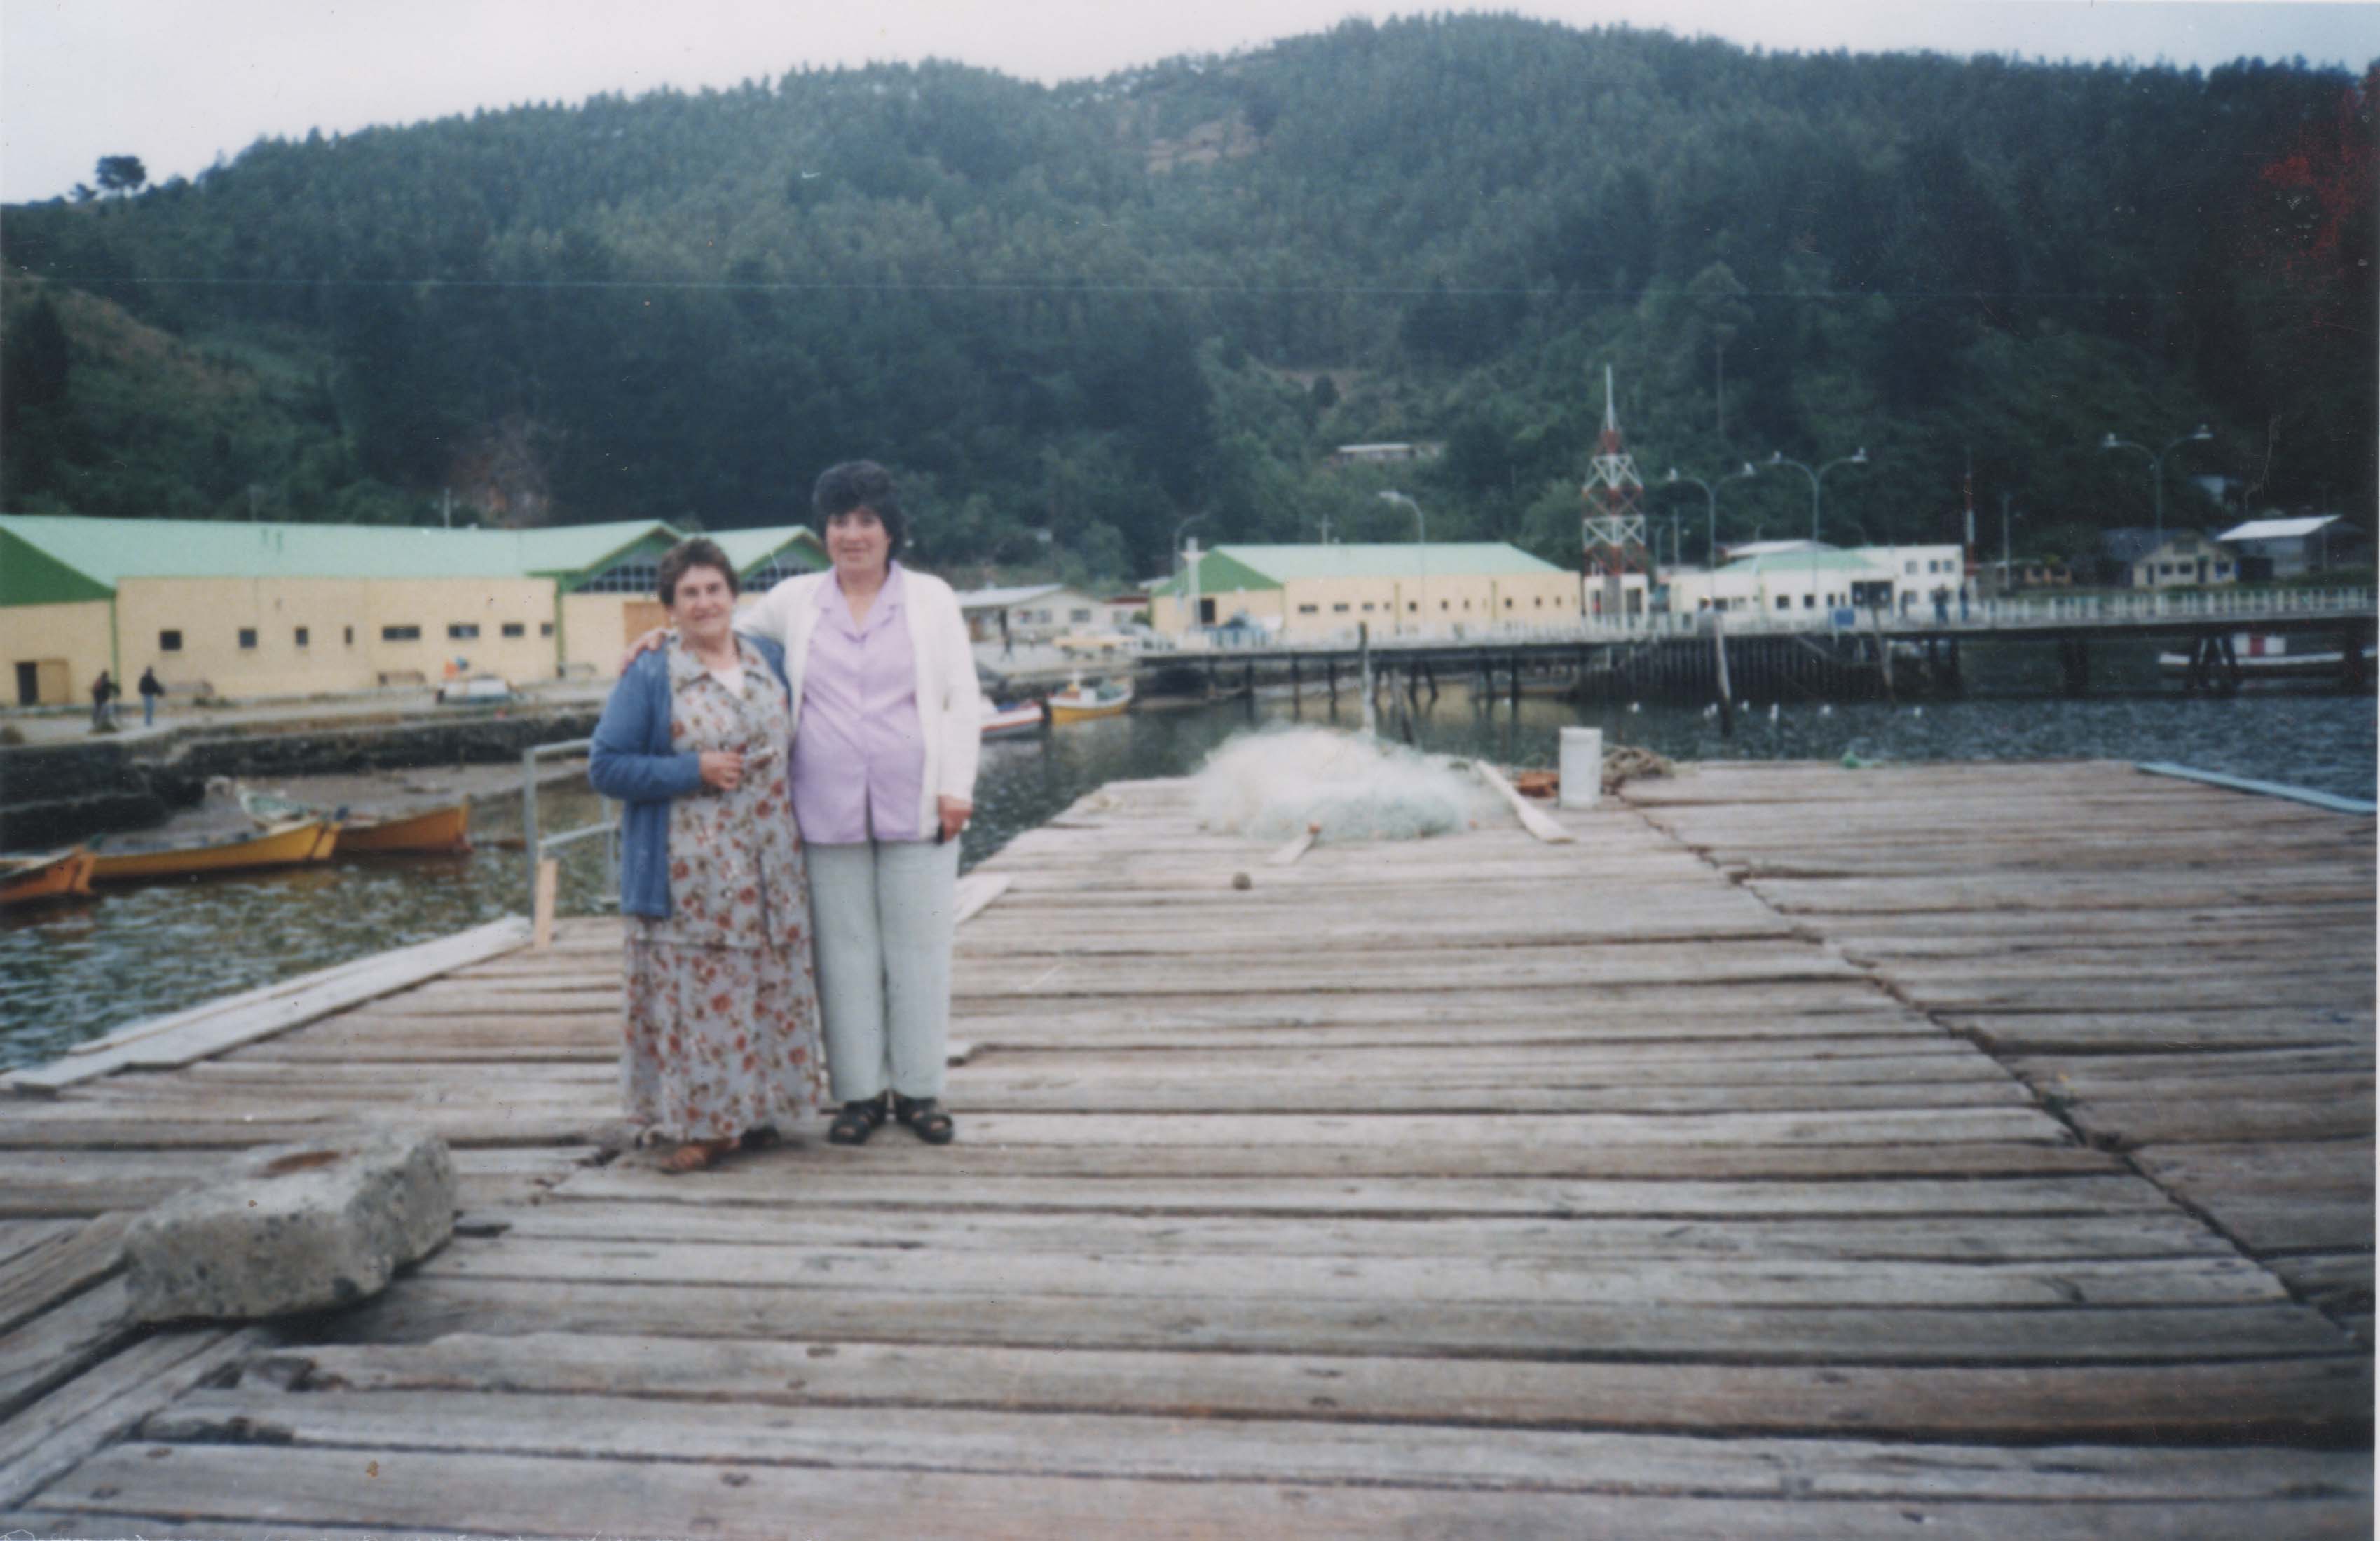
x=925 y=1118
x=856 y=1121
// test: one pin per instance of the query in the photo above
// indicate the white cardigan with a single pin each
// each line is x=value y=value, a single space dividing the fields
x=950 y=705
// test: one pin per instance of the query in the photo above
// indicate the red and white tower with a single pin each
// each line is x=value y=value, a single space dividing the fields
x=1613 y=532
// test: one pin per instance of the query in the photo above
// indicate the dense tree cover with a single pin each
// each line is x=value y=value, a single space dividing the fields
x=1074 y=318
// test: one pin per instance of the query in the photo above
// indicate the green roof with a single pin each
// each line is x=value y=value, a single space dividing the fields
x=1273 y=565
x=106 y=551
x=1805 y=561
x=751 y=549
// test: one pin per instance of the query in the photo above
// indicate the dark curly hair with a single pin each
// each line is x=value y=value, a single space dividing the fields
x=686 y=555
x=861 y=484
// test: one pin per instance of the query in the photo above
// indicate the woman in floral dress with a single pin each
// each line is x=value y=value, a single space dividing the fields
x=723 y=1020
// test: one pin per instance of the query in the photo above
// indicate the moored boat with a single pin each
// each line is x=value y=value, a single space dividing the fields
x=1012 y=721
x=2267 y=656
x=425 y=831
x=28 y=879
x=1079 y=702
x=122 y=859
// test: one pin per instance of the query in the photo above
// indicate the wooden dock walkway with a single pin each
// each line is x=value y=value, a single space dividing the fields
x=1975 y=1151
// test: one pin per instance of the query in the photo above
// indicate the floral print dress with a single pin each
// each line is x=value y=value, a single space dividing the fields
x=723 y=1019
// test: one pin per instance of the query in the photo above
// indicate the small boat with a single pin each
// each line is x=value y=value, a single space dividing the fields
x=122 y=859
x=1079 y=702
x=427 y=831
x=2267 y=656
x=46 y=875
x=1012 y=721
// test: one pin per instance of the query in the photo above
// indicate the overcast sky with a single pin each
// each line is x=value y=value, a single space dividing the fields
x=177 y=82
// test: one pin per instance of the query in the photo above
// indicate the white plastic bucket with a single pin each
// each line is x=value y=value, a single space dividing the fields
x=1582 y=767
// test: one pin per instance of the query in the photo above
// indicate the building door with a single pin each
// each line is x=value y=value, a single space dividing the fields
x=29 y=683
x=640 y=616
x=1206 y=612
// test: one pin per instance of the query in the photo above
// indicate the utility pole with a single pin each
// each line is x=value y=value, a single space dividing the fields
x=2005 y=582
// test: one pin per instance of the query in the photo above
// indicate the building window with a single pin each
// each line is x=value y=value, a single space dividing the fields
x=461 y=631
x=1508 y=604
x=1540 y=603
x=2223 y=569
x=351 y=636
x=514 y=628
x=545 y=628
x=1367 y=607
x=400 y=634
x=1466 y=604
x=304 y=637
x=1308 y=608
x=1910 y=567
x=1338 y=610
x=169 y=641
x=248 y=636
x=1784 y=601
x=1446 y=604
x=1412 y=605
x=626 y=577
x=1074 y=616
x=1809 y=602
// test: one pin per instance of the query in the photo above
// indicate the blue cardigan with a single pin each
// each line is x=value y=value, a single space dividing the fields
x=632 y=762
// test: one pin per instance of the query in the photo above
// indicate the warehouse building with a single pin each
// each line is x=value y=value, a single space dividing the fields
x=253 y=610
x=1314 y=591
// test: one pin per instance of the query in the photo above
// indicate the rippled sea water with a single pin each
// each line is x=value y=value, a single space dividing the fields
x=72 y=973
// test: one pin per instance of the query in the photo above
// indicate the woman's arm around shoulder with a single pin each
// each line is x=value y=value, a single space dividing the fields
x=631 y=759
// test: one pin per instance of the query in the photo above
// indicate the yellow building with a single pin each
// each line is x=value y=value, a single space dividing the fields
x=1315 y=591
x=255 y=609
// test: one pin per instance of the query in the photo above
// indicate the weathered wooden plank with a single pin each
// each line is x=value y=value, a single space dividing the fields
x=189 y=1039
x=54 y=1434
x=62 y=1343
x=1572 y=1278
x=935 y=1182
x=73 y=1261
x=2289 y=1397
x=1293 y=1443
x=1998 y=1238
x=547 y=1495
x=2313 y=1195
x=430 y=1305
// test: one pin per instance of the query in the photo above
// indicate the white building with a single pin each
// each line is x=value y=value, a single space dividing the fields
x=1032 y=613
x=2293 y=547
x=1807 y=580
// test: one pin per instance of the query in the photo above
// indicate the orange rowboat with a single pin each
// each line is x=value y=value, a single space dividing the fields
x=430 y=831
x=50 y=875
x=123 y=859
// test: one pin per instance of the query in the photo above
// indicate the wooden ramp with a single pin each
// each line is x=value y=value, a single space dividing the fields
x=1975 y=1151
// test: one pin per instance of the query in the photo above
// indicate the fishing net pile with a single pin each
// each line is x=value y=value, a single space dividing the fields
x=1280 y=783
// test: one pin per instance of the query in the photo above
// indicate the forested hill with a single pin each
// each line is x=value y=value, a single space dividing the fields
x=1073 y=318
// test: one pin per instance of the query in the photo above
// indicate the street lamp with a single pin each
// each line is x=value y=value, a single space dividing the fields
x=1421 y=549
x=1190 y=571
x=1710 y=498
x=2156 y=466
x=1858 y=458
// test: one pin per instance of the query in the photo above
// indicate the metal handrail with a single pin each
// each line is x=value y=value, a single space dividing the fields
x=536 y=845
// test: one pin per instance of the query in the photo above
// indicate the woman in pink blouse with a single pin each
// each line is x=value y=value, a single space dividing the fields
x=887 y=730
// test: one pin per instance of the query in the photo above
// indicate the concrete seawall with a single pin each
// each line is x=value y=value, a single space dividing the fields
x=55 y=794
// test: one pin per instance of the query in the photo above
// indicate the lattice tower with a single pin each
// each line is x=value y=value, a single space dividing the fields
x=1613 y=530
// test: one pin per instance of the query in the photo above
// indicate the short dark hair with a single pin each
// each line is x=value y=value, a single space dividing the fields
x=688 y=555
x=861 y=484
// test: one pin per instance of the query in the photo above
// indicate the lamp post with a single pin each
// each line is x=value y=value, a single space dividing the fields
x=1421 y=549
x=1858 y=458
x=1190 y=572
x=1710 y=499
x=2156 y=466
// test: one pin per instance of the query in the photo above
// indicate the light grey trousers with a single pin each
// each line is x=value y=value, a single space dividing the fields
x=882 y=913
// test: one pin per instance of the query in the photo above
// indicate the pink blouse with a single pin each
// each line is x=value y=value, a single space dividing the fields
x=859 y=749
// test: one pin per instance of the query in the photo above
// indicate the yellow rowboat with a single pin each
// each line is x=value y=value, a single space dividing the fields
x=121 y=859
x=431 y=831
x=1079 y=702
x=49 y=875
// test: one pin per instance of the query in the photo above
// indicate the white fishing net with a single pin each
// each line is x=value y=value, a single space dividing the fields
x=1277 y=783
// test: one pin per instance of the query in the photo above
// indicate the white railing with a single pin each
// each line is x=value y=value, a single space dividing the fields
x=2043 y=612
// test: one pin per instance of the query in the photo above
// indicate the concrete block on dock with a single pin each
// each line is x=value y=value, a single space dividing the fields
x=294 y=1228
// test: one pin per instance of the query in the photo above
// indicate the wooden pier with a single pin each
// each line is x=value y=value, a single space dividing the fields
x=1971 y=1151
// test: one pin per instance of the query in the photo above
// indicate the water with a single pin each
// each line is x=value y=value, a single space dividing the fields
x=72 y=973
